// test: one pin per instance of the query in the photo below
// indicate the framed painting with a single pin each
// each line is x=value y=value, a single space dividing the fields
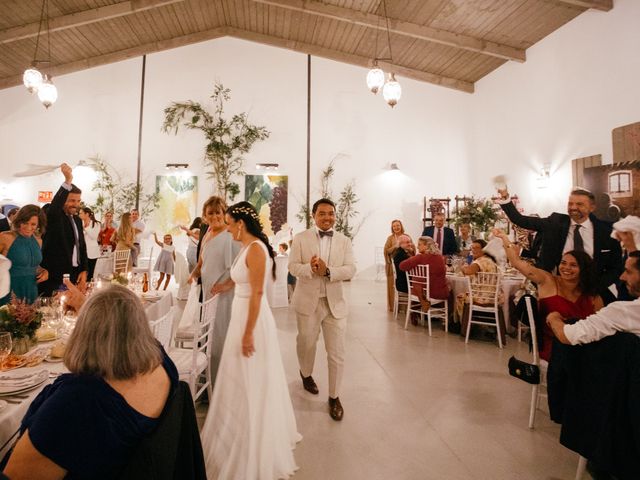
x=268 y=194
x=178 y=202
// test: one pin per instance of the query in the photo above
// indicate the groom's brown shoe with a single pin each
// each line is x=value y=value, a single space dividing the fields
x=309 y=384
x=335 y=409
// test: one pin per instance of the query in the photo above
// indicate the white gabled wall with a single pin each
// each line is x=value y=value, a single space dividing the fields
x=577 y=85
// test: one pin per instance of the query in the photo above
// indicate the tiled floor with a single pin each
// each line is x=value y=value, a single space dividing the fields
x=418 y=407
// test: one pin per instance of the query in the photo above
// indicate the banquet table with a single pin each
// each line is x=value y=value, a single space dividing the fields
x=510 y=285
x=11 y=415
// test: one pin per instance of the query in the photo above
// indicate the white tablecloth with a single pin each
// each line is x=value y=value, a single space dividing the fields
x=104 y=265
x=510 y=286
x=11 y=415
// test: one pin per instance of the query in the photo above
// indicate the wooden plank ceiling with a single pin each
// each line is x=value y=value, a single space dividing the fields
x=452 y=43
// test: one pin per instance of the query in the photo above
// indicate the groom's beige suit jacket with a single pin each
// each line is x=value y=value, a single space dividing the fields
x=308 y=287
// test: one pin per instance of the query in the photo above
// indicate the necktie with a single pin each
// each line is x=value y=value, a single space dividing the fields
x=74 y=227
x=578 y=245
x=439 y=238
x=328 y=233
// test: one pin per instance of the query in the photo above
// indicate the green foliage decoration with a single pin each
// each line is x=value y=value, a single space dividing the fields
x=227 y=139
x=116 y=195
x=480 y=213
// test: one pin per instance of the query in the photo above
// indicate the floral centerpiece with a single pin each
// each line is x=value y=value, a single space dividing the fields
x=21 y=320
x=480 y=213
x=120 y=278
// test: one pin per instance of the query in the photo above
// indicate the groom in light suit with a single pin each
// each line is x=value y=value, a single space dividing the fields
x=322 y=259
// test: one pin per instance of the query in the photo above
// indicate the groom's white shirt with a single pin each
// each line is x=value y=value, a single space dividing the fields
x=309 y=287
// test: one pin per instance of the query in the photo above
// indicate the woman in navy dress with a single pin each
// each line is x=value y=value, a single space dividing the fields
x=88 y=422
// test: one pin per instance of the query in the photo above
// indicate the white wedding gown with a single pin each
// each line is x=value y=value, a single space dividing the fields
x=250 y=431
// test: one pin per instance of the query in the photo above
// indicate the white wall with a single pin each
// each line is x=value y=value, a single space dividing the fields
x=97 y=113
x=576 y=86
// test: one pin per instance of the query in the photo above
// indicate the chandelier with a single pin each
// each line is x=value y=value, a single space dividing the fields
x=391 y=89
x=32 y=78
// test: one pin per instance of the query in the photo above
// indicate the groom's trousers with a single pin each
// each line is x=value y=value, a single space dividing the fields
x=334 y=331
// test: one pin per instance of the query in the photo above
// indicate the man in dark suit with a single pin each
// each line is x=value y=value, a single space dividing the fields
x=63 y=246
x=5 y=223
x=579 y=230
x=443 y=236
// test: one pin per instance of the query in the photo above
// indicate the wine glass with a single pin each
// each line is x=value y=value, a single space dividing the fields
x=5 y=347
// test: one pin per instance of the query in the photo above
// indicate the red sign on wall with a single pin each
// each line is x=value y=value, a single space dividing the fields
x=45 y=196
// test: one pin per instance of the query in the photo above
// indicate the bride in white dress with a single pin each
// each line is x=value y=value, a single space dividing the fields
x=250 y=431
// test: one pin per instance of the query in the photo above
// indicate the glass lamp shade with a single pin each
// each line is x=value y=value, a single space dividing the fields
x=375 y=79
x=32 y=79
x=392 y=91
x=47 y=93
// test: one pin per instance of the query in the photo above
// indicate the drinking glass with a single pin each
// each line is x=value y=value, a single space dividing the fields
x=5 y=347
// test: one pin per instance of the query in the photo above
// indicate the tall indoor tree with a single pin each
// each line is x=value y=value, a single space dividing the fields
x=227 y=139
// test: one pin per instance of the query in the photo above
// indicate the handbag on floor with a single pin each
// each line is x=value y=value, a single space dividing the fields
x=527 y=372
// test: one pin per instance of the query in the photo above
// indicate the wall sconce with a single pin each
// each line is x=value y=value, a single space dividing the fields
x=542 y=180
x=176 y=166
x=267 y=166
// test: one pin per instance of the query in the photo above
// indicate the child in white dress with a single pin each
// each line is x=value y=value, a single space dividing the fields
x=166 y=260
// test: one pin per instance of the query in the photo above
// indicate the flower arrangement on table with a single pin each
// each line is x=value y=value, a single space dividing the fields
x=20 y=319
x=480 y=213
x=120 y=278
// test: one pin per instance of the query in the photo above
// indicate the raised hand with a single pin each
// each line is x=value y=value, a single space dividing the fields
x=67 y=172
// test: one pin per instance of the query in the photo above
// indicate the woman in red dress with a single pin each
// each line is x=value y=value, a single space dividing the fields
x=429 y=254
x=572 y=293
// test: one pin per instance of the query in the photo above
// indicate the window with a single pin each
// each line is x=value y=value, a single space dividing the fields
x=620 y=184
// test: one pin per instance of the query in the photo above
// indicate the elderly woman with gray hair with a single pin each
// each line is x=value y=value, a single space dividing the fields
x=88 y=422
x=429 y=254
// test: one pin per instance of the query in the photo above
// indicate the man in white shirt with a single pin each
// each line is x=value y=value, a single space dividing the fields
x=139 y=226
x=623 y=316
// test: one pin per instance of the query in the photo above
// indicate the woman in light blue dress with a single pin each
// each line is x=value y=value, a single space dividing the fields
x=217 y=253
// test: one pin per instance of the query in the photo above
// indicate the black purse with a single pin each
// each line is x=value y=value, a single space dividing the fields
x=526 y=372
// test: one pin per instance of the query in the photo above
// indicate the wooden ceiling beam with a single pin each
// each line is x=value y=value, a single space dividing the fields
x=121 y=55
x=84 y=17
x=358 y=60
x=370 y=20
x=604 y=5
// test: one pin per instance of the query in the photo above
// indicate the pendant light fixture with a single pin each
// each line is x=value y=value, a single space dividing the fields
x=391 y=89
x=32 y=78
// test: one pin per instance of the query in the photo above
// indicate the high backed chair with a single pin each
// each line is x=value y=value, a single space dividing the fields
x=161 y=328
x=418 y=278
x=121 y=261
x=543 y=365
x=193 y=363
x=399 y=298
x=484 y=292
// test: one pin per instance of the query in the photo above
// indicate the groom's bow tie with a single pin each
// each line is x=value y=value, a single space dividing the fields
x=328 y=233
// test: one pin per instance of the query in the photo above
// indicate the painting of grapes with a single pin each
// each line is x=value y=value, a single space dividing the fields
x=268 y=193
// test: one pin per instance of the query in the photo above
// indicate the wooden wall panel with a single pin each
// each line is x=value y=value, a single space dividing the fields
x=579 y=164
x=626 y=143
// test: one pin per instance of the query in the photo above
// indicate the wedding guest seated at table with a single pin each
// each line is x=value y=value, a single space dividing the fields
x=572 y=293
x=406 y=250
x=88 y=422
x=22 y=245
x=464 y=240
x=482 y=261
x=428 y=254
